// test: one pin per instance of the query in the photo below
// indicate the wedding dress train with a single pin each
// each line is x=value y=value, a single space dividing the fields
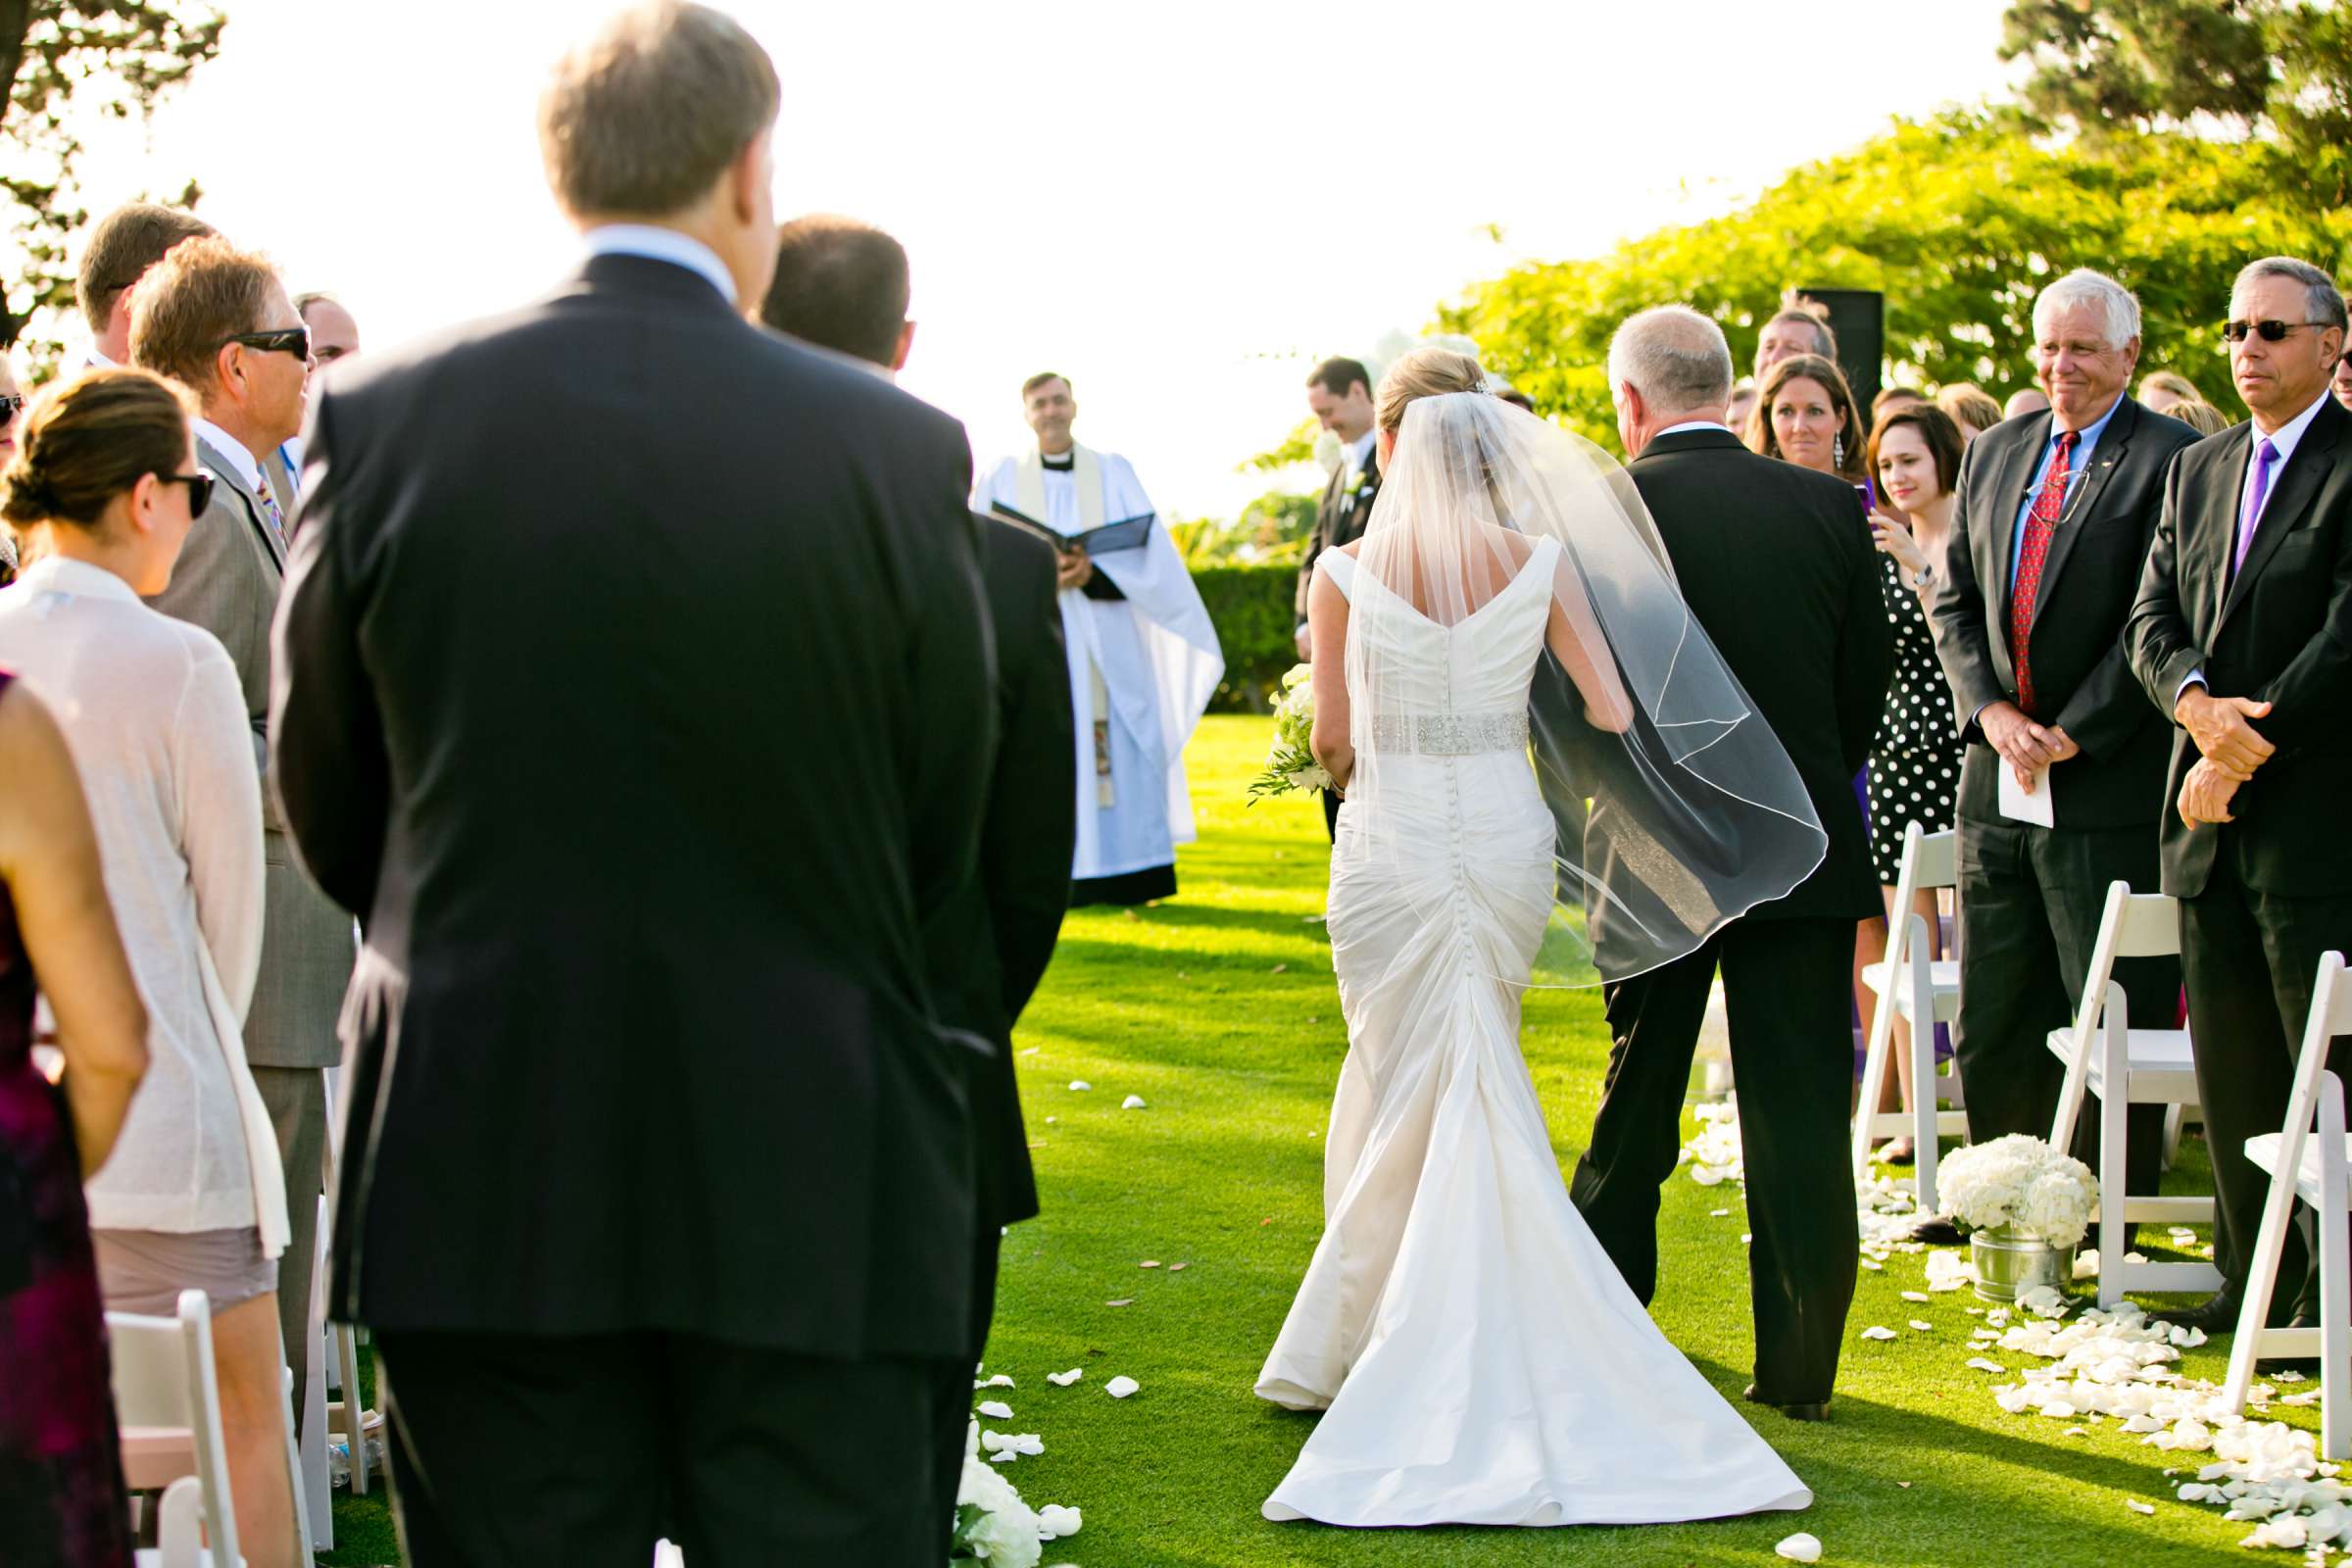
x=1477 y=1356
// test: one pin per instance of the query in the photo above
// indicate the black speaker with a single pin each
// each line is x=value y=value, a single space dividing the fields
x=1858 y=315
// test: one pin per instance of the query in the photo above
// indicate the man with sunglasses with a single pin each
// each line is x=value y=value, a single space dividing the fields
x=218 y=320
x=2243 y=634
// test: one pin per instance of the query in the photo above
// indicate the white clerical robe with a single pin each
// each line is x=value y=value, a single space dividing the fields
x=1154 y=654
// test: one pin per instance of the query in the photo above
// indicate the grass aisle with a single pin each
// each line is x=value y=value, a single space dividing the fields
x=1218 y=1009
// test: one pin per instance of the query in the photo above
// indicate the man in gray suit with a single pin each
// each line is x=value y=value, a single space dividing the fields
x=218 y=319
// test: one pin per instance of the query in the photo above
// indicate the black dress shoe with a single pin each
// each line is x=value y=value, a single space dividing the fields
x=1938 y=1230
x=1795 y=1412
x=2218 y=1313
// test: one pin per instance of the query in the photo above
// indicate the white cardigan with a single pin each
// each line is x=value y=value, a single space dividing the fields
x=153 y=714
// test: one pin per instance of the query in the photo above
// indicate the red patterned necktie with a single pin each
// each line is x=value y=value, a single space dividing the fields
x=2039 y=524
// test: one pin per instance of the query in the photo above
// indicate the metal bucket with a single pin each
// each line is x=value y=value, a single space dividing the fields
x=2009 y=1264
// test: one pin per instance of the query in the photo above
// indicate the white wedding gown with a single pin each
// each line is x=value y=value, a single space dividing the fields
x=1477 y=1358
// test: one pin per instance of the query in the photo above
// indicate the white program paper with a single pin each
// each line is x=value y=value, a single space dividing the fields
x=2019 y=807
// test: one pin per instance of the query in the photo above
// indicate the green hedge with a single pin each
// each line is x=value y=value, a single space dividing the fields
x=1250 y=606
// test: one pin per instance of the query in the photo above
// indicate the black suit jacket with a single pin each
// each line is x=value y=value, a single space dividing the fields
x=1776 y=562
x=2278 y=630
x=631 y=685
x=1341 y=517
x=990 y=943
x=2082 y=681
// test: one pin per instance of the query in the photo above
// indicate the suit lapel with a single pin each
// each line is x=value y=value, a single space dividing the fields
x=2297 y=486
x=232 y=481
x=2114 y=442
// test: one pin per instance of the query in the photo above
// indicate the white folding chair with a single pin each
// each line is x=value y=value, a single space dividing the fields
x=1925 y=991
x=342 y=1355
x=163 y=1376
x=2312 y=1166
x=2124 y=1066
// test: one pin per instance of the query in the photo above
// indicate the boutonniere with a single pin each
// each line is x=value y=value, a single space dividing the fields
x=1355 y=482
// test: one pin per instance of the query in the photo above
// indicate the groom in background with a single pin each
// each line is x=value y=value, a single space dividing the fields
x=843 y=285
x=632 y=688
x=1777 y=565
x=1340 y=396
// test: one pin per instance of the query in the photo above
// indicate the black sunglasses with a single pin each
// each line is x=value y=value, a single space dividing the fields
x=200 y=490
x=11 y=404
x=294 y=340
x=2267 y=331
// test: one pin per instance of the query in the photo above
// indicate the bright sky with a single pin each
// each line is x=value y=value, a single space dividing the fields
x=1182 y=208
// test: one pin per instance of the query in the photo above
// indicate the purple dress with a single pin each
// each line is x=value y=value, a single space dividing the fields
x=62 y=1503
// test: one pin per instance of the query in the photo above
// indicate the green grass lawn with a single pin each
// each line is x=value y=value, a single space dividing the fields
x=1218 y=1008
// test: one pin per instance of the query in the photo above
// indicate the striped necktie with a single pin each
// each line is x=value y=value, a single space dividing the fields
x=269 y=507
x=2040 y=524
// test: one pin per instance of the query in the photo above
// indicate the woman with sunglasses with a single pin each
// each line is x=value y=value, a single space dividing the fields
x=106 y=482
x=2341 y=386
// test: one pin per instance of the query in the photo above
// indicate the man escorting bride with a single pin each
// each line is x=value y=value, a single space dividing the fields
x=1475 y=1349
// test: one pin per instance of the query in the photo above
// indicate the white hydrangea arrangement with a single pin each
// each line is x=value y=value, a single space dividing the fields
x=1290 y=762
x=993 y=1525
x=2021 y=1183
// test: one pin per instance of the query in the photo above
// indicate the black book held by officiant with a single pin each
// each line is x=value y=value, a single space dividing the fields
x=1128 y=533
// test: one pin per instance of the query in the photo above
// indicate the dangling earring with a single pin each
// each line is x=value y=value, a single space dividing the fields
x=1836 y=451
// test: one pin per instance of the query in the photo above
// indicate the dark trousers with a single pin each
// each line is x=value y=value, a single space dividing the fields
x=509 y=1450
x=956 y=1395
x=2252 y=958
x=1331 y=814
x=2030 y=901
x=1785 y=989
x=296 y=1098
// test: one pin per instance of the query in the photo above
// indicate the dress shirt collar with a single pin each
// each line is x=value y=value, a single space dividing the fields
x=228 y=446
x=659 y=244
x=61 y=574
x=2289 y=436
x=1360 y=450
x=1695 y=424
x=2090 y=434
x=92 y=360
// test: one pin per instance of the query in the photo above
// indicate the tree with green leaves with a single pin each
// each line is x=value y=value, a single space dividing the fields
x=1958 y=221
x=2275 y=71
x=63 y=61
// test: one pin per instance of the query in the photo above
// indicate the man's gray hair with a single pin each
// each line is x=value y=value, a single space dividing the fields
x=2322 y=301
x=1674 y=357
x=2118 y=306
x=642 y=118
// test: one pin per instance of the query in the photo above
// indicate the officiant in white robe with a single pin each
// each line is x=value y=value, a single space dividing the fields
x=1144 y=658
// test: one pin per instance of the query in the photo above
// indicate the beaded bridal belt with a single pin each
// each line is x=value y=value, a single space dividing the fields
x=1451 y=734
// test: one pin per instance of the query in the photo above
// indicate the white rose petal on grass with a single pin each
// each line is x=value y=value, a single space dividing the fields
x=1053 y=1521
x=2136 y=1506
x=1079 y=1085
x=1000 y=1380
x=1922 y=1328
x=996 y=1410
x=1120 y=1387
x=1981 y=1364
x=1920 y=1297
x=1717 y=1213
x=1132 y=1102
x=1799 y=1547
x=1064 y=1379
x=1876 y=1332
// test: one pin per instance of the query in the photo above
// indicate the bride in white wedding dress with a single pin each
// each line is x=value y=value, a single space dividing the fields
x=1477 y=1356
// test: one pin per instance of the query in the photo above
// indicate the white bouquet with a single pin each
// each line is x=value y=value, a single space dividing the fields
x=1290 y=763
x=2021 y=1182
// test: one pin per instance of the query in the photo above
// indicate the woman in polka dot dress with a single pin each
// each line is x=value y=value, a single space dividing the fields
x=1915 y=766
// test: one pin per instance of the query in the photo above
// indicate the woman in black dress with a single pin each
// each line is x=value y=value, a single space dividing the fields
x=1915 y=766
x=62 y=1503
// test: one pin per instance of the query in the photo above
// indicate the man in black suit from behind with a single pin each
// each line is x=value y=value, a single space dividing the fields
x=2051 y=526
x=843 y=285
x=2243 y=634
x=633 y=687
x=1775 y=563
x=1340 y=396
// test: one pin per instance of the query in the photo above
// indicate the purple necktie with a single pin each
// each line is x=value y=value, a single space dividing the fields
x=2264 y=456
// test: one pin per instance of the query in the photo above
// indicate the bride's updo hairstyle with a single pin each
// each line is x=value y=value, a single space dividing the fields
x=1424 y=372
